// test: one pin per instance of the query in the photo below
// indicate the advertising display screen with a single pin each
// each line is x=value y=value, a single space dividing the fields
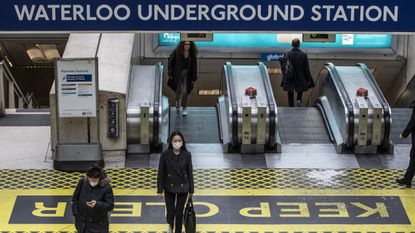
x=258 y=40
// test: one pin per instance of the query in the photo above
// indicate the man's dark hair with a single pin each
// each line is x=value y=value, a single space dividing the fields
x=94 y=172
x=295 y=43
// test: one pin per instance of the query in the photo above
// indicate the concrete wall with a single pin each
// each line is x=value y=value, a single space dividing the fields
x=402 y=91
x=410 y=71
x=114 y=52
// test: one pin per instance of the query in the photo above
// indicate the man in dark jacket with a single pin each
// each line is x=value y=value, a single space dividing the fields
x=92 y=200
x=410 y=171
x=300 y=79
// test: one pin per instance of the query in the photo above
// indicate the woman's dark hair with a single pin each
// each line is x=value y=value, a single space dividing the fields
x=192 y=50
x=171 y=138
x=94 y=172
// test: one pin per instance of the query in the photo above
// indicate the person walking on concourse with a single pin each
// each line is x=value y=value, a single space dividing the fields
x=298 y=78
x=182 y=71
x=410 y=171
x=91 y=201
x=175 y=179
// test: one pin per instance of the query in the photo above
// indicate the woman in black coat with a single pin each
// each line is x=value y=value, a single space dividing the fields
x=92 y=200
x=182 y=71
x=175 y=178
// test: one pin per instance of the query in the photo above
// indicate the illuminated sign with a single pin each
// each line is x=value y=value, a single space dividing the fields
x=318 y=37
x=264 y=40
x=196 y=36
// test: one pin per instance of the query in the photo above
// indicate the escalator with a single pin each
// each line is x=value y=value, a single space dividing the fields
x=247 y=110
x=355 y=112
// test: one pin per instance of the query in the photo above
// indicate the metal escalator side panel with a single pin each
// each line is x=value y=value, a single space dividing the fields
x=377 y=122
x=362 y=125
x=157 y=105
x=346 y=102
x=232 y=104
x=381 y=98
x=329 y=118
x=246 y=121
x=337 y=107
x=261 y=123
x=273 y=120
x=140 y=96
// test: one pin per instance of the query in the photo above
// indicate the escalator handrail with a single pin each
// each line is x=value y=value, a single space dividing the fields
x=344 y=98
x=157 y=101
x=313 y=89
x=385 y=105
x=271 y=102
x=408 y=87
x=234 y=103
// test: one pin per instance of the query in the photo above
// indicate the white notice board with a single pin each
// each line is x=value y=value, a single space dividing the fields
x=76 y=87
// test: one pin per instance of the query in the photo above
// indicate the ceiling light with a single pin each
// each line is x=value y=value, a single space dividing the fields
x=36 y=55
x=50 y=51
x=43 y=53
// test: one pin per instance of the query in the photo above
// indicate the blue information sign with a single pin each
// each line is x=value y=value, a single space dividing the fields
x=208 y=15
x=271 y=56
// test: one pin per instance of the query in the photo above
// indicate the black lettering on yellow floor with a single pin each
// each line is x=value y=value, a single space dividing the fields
x=227 y=200
x=227 y=210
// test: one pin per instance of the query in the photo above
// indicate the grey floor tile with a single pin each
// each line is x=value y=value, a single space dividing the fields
x=254 y=160
x=400 y=158
x=310 y=156
x=369 y=161
x=138 y=160
x=25 y=120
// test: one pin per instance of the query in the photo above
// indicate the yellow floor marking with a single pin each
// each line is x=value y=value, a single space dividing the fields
x=407 y=196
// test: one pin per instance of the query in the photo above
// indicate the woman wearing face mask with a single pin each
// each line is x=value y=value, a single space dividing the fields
x=92 y=200
x=175 y=179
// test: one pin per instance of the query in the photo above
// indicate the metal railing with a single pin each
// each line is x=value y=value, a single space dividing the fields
x=9 y=85
x=406 y=96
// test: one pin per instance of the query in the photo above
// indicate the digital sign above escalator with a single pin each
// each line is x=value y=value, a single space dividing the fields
x=261 y=40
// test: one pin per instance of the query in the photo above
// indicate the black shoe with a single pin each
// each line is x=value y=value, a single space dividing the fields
x=403 y=182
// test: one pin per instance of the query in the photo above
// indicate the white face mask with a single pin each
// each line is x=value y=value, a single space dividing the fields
x=177 y=145
x=93 y=184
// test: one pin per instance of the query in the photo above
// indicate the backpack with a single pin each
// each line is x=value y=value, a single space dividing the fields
x=289 y=69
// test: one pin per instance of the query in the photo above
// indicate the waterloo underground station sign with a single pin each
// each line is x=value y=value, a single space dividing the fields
x=208 y=15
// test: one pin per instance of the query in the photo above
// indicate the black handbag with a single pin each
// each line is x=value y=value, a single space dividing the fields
x=189 y=217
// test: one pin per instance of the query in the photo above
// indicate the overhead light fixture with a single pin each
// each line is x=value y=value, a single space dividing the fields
x=50 y=51
x=36 y=55
x=43 y=53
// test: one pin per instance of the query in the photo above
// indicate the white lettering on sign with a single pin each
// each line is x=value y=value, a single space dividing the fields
x=203 y=12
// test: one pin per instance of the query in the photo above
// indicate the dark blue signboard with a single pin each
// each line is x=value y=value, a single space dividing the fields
x=271 y=56
x=208 y=15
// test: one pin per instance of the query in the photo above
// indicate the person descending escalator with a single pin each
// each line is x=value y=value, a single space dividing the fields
x=296 y=73
x=182 y=71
